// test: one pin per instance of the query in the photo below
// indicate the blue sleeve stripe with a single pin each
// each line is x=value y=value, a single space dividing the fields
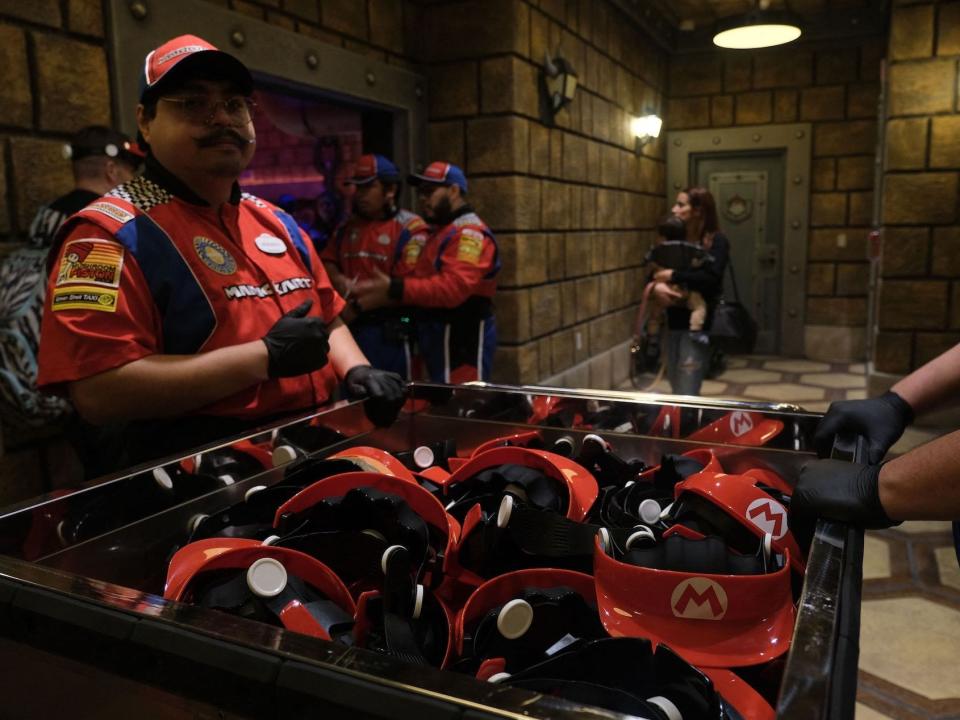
x=293 y=233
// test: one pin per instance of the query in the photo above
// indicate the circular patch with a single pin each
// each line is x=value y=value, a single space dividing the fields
x=383 y=239
x=214 y=256
x=106 y=300
x=740 y=423
x=699 y=598
x=768 y=515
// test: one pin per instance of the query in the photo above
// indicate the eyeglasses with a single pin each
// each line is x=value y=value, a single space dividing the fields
x=201 y=109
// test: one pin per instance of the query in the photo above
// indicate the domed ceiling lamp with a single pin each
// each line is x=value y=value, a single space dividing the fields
x=759 y=28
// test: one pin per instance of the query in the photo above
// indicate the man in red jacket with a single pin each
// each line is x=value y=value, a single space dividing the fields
x=453 y=283
x=179 y=306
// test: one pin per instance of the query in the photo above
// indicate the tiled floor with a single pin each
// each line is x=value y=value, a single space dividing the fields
x=910 y=624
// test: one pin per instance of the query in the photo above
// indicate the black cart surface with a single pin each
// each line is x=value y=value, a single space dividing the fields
x=85 y=632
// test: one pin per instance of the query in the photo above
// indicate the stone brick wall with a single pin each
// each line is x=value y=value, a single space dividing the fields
x=571 y=201
x=836 y=88
x=918 y=307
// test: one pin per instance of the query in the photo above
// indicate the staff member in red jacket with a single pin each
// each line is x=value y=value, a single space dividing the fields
x=181 y=307
x=453 y=284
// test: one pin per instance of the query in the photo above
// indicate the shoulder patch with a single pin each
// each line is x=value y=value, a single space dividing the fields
x=468 y=219
x=141 y=193
x=471 y=232
x=111 y=210
x=470 y=246
x=255 y=200
x=89 y=276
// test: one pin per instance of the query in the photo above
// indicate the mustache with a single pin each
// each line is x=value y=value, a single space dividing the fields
x=218 y=136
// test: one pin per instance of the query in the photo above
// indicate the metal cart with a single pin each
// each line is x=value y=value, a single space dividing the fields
x=84 y=629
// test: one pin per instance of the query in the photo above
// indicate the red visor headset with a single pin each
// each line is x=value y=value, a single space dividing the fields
x=712 y=620
x=742 y=509
x=521 y=618
x=276 y=585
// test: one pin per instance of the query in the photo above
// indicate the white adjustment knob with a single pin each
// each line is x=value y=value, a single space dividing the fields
x=226 y=479
x=270 y=540
x=162 y=478
x=385 y=558
x=418 y=602
x=253 y=491
x=505 y=511
x=514 y=619
x=641 y=533
x=666 y=512
x=283 y=454
x=423 y=457
x=650 y=511
x=605 y=544
x=374 y=534
x=195 y=521
x=670 y=710
x=498 y=677
x=266 y=577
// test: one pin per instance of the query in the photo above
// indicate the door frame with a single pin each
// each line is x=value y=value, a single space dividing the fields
x=795 y=140
x=286 y=57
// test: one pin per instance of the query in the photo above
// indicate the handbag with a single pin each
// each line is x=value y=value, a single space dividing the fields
x=731 y=328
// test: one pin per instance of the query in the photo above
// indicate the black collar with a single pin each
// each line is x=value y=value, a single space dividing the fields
x=157 y=173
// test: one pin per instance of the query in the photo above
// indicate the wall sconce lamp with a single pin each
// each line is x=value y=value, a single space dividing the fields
x=561 y=81
x=646 y=129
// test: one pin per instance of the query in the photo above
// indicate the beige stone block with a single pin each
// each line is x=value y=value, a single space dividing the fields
x=822 y=103
x=836 y=310
x=589 y=209
x=609 y=165
x=786 y=67
x=513 y=315
x=507 y=202
x=754 y=108
x=497 y=145
x=386 y=25
x=345 y=16
x=545 y=309
x=920 y=198
x=945 y=142
x=587 y=297
x=555 y=205
x=820 y=278
x=539 y=148
x=695 y=75
x=946 y=252
x=16 y=105
x=85 y=17
x=862 y=100
x=445 y=139
x=737 y=72
x=906 y=143
x=831 y=343
x=72 y=87
x=838 y=244
x=509 y=84
x=452 y=31
x=856 y=137
x=579 y=251
x=828 y=209
x=933 y=345
x=917 y=88
x=855 y=172
x=562 y=350
x=601 y=372
x=948 y=29
x=837 y=65
x=911 y=32
x=568 y=302
x=556 y=256
x=861 y=208
x=544 y=351
x=721 y=110
x=824 y=173
x=853 y=278
x=905 y=251
x=785 y=105
x=687 y=113
x=44 y=12
x=872 y=53
x=39 y=174
x=556 y=153
x=893 y=352
x=575 y=157
x=576 y=207
x=913 y=304
x=516 y=364
x=522 y=259
x=453 y=90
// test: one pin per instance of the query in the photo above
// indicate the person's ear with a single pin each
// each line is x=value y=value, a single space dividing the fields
x=111 y=171
x=144 y=122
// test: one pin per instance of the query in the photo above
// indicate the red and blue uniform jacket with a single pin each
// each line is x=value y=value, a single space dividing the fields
x=152 y=269
x=393 y=245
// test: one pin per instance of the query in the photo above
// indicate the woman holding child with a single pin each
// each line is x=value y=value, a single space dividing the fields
x=688 y=348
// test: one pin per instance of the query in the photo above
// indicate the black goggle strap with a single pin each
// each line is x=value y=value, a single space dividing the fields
x=709 y=555
x=707 y=518
x=402 y=605
x=612 y=671
x=673 y=469
x=251 y=518
x=234 y=595
x=528 y=484
x=635 y=503
x=354 y=555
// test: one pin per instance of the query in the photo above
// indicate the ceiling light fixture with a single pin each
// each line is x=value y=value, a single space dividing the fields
x=759 y=28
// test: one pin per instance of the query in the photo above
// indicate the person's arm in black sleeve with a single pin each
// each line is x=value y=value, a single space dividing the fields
x=708 y=278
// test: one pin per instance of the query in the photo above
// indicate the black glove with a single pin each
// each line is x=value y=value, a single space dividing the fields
x=839 y=490
x=297 y=344
x=383 y=393
x=880 y=420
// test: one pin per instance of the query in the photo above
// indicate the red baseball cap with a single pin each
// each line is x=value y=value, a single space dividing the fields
x=171 y=62
x=371 y=167
x=710 y=620
x=440 y=173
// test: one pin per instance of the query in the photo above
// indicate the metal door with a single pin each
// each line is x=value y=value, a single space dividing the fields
x=749 y=192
